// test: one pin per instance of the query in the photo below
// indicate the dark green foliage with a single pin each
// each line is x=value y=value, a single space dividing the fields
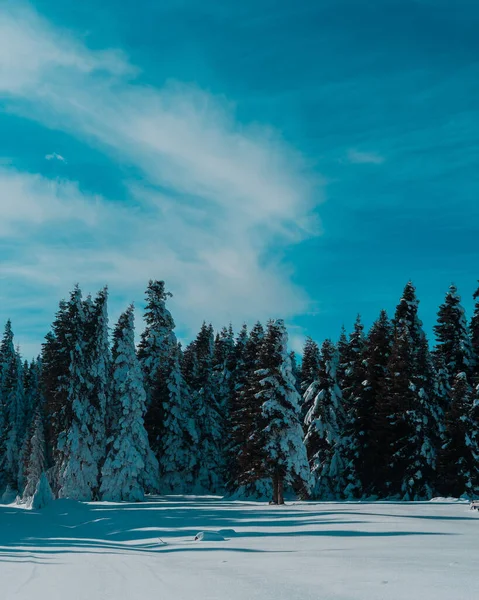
x=452 y=334
x=245 y=456
x=376 y=359
x=459 y=456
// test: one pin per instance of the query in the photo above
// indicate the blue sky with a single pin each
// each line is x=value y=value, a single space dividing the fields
x=294 y=159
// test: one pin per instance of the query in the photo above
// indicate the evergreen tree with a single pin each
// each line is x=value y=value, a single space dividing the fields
x=33 y=404
x=309 y=364
x=158 y=338
x=326 y=428
x=207 y=407
x=130 y=469
x=443 y=389
x=246 y=471
x=474 y=332
x=97 y=374
x=281 y=433
x=77 y=466
x=54 y=377
x=170 y=419
x=43 y=495
x=459 y=457
x=309 y=377
x=343 y=357
x=377 y=354
x=224 y=368
x=179 y=443
x=406 y=439
x=356 y=408
x=296 y=372
x=13 y=416
x=37 y=460
x=452 y=334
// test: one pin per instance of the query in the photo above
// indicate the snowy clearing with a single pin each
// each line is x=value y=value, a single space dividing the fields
x=304 y=551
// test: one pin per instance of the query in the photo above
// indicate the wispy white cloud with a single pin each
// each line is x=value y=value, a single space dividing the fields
x=55 y=156
x=357 y=157
x=217 y=195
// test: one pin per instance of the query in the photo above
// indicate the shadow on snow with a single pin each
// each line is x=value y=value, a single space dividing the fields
x=114 y=528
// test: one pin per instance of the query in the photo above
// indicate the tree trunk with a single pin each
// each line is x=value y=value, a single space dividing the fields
x=280 y=489
x=275 y=488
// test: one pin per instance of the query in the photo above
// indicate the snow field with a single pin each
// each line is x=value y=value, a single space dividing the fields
x=301 y=551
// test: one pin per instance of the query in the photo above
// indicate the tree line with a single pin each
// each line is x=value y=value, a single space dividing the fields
x=380 y=414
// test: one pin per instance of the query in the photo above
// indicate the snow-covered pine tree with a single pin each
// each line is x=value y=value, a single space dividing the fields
x=404 y=426
x=33 y=403
x=158 y=337
x=178 y=444
x=343 y=357
x=199 y=373
x=295 y=370
x=325 y=423
x=224 y=358
x=429 y=422
x=459 y=458
x=247 y=476
x=452 y=335
x=281 y=433
x=355 y=406
x=170 y=418
x=156 y=344
x=13 y=405
x=37 y=459
x=309 y=364
x=309 y=378
x=130 y=469
x=97 y=374
x=474 y=333
x=443 y=389
x=54 y=377
x=77 y=467
x=377 y=353
x=43 y=495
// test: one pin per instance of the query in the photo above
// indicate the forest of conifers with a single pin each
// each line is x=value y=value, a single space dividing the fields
x=380 y=414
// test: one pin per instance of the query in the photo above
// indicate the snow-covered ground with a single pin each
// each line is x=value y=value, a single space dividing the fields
x=304 y=551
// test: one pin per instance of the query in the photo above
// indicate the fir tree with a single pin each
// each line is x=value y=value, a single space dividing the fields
x=474 y=332
x=224 y=368
x=33 y=406
x=356 y=408
x=407 y=438
x=43 y=495
x=37 y=462
x=130 y=469
x=179 y=443
x=325 y=429
x=452 y=334
x=309 y=364
x=97 y=374
x=459 y=457
x=170 y=419
x=77 y=465
x=158 y=338
x=246 y=471
x=208 y=410
x=55 y=374
x=343 y=357
x=377 y=354
x=281 y=433
x=13 y=417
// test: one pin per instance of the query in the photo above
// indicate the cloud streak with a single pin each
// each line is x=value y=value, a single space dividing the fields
x=55 y=156
x=356 y=157
x=215 y=197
